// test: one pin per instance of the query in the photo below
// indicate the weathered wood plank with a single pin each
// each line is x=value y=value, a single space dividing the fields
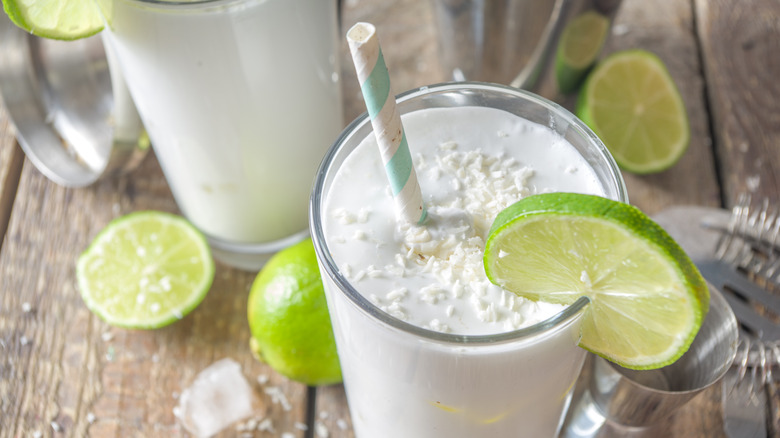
x=11 y=159
x=740 y=44
x=331 y=415
x=61 y=364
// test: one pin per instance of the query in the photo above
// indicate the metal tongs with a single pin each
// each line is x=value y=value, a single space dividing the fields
x=748 y=258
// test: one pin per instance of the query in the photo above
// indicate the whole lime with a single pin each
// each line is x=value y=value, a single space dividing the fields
x=289 y=320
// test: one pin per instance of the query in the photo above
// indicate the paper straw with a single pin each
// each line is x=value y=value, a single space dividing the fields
x=390 y=136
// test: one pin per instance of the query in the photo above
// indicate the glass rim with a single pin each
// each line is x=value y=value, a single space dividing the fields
x=363 y=304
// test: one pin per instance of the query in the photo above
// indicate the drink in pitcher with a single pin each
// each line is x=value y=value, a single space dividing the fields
x=428 y=346
x=241 y=99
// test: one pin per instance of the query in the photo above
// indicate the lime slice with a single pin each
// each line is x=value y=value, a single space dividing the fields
x=145 y=270
x=56 y=19
x=633 y=105
x=578 y=48
x=647 y=299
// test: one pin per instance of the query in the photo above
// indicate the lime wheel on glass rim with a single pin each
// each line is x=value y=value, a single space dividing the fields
x=56 y=19
x=647 y=299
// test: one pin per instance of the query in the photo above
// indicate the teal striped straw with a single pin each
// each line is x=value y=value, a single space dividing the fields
x=390 y=136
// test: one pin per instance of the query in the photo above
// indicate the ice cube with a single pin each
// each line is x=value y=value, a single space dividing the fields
x=219 y=397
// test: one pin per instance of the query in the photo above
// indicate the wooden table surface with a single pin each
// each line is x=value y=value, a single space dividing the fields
x=64 y=372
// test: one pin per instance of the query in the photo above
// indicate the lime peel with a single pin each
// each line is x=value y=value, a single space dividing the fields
x=647 y=298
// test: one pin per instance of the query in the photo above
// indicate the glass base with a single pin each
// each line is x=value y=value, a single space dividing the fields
x=252 y=256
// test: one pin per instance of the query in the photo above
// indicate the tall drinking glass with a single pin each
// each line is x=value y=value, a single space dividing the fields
x=241 y=99
x=405 y=380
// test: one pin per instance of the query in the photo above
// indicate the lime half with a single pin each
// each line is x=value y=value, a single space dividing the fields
x=145 y=270
x=633 y=105
x=56 y=19
x=647 y=299
x=579 y=46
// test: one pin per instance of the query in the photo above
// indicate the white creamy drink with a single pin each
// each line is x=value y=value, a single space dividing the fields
x=241 y=98
x=471 y=162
